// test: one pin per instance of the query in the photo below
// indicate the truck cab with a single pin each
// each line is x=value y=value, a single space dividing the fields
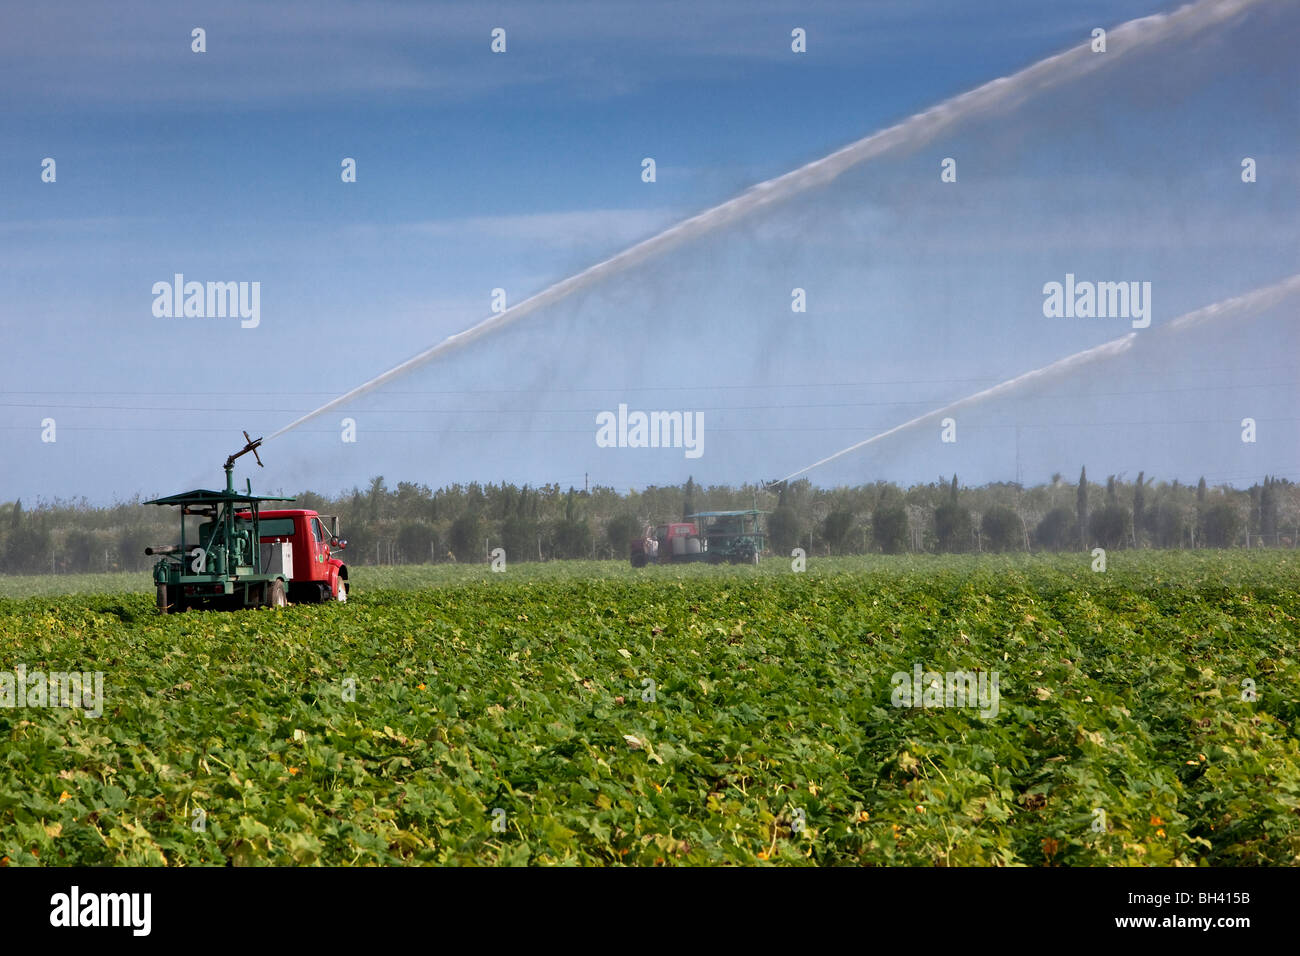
x=313 y=539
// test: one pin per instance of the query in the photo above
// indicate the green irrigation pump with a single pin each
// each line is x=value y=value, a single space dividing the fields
x=223 y=563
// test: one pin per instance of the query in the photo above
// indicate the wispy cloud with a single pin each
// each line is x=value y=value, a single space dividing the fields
x=124 y=53
x=596 y=225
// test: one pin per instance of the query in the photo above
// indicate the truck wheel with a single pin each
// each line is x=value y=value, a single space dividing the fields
x=275 y=596
x=163 y=606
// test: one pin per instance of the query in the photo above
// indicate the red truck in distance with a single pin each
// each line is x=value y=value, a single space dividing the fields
x=713 y=536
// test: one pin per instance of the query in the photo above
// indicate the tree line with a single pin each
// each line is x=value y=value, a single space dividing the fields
x=413 y=524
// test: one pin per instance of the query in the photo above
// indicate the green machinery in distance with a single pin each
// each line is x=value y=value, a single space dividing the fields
x=734 y=536
x=712 y=536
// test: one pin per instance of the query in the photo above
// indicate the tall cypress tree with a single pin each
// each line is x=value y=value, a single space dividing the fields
x=1268 y=509
x=1139 y=506
x=1081 y=508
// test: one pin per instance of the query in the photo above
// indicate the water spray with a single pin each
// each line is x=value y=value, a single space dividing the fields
x=1008 y=91
x=1241 y=306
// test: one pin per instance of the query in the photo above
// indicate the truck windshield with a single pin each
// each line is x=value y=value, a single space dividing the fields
x=274 y=527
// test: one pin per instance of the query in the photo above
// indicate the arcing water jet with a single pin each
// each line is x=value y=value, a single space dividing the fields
x=1241 y=306
x=920 y=128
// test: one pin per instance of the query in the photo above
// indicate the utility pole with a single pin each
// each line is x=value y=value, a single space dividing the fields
x=584 y=482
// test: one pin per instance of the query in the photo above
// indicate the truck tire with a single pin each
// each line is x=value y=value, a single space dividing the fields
x=164 y=607
x=275 y=594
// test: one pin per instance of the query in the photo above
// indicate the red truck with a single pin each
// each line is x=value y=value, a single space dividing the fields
x=317 y=574
x=667 y=544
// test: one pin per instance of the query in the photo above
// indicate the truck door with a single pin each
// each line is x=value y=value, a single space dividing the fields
x=320 y=552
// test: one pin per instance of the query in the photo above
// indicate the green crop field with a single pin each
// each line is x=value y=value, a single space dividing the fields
x=586 y=713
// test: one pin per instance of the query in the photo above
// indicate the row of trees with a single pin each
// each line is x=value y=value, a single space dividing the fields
x=414 y=524
x=1000 y=518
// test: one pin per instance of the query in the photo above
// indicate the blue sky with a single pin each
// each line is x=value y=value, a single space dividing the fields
x=478 y=171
